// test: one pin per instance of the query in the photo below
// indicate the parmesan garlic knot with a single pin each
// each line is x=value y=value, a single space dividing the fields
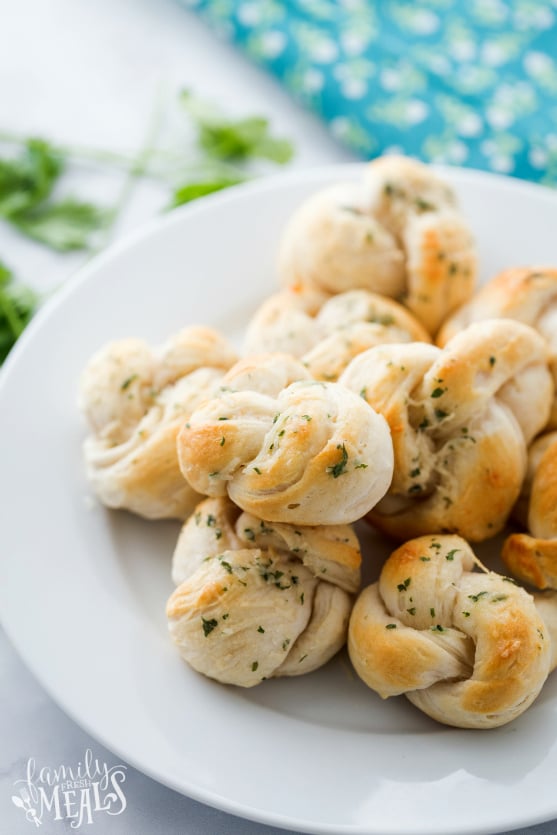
x=398 y=233
x=466 y=647
x=327 y=337
x=525 y=294
x=135 y=399
x=307 y=452
x=460 y=420
x=258 y=599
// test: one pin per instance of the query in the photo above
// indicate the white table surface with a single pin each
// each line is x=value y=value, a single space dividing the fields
x=89 y=73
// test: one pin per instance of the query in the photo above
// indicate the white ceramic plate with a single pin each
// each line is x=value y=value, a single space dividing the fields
x=83 y=590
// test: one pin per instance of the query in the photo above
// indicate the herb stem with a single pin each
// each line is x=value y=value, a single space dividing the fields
x=8 y=308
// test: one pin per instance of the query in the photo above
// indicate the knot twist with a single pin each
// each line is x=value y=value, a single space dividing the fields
x=309 y=453
x=527 y=295
x=258 y=599
x=460 y=420
x=327 y=336
x=397 y=233
x=469 y=648
x=135 y=399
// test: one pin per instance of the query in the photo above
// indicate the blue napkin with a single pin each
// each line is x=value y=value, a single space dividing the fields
x=467 y=82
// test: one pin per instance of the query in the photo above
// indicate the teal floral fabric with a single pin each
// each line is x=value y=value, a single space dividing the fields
x=467 y=82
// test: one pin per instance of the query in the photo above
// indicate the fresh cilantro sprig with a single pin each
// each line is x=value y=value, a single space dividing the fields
x=224 y=150
x=227 y=147
x=223 y=155
x=234 y=139
x=26 y=185
x=17 y=306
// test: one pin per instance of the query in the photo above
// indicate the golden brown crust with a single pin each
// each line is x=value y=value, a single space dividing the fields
x=531 y=560
x=467 y=648
x=532 y=557
x=441 y=266
x=546 y=604
x=459 y=419
x=542 y=513
x=313 y=454
x=525 y=294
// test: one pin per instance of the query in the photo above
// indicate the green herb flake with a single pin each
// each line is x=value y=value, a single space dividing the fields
x=425 y=559
x=438 y=392
x=128 y=381
x=339 y=468
x=208 y=625
x=476 y=597
x=423 y=205
x=260 y=629
x=390 y=626
x=405 y=584
x=254 y=666
x=492 y=361
x=412 y=611
x=450 y=555
x=222 y=441
x=432 y=612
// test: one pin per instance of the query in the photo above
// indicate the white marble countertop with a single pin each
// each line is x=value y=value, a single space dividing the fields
x=88 y=73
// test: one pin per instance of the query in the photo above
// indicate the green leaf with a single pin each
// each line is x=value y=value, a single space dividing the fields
x=63 y=226
x=235 y=139
x=28 y=179
x=17 y=306
x=192 y=191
